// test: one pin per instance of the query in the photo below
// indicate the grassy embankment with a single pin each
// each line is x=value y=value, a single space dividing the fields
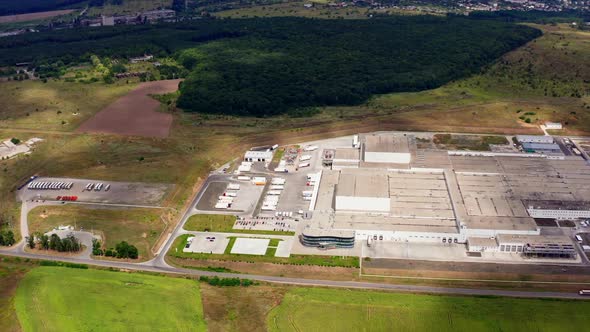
x=221 y=224
x=140 y=227
x=313 y=309
x=467 y=142
x=326 y=261
x=66 y=299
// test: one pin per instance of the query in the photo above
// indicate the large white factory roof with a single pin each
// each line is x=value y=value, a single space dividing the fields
x=386 y=143
x=363 y=184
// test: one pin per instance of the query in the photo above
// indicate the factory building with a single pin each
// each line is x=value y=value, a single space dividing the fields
x=558 y=209
x=327 y=239
x=549 y=246
x=534 y=139
x=382 y=148
x=262 y=156
x=546 y=148
x=363 y=192
x=487 y=201
x=346 y=158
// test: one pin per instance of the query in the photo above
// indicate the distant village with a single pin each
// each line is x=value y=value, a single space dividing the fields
x=425 y=6
x=147 y=17
x=462 y=6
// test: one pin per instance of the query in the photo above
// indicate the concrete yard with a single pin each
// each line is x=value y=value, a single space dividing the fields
x=216 y=244
x=249 y=246
x=131 y=193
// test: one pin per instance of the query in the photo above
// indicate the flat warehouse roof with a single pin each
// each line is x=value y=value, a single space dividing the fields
x=501 y=223
x=386 y=223
x=347 y=154
x=534 y=138
x=386 y=143
x=364 y=184
x=534 y=239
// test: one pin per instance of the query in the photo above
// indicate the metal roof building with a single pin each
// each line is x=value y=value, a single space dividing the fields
x=534 y=139
x=386 y=149
x=541 y=147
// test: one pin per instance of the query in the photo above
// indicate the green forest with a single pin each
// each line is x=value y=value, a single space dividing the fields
x=269 y=66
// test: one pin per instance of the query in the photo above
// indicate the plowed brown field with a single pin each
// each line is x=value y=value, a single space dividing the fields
x=134 y=114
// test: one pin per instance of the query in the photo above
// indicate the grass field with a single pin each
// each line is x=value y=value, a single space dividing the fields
x=65 y=299
x=129 y=7
x=12 y=270
x=210 y=223
x=327 y=261
x=314 y=309
x=239 y=308
x=140 y=227
x=55 y=105
x=34 y=16
x=296 y=8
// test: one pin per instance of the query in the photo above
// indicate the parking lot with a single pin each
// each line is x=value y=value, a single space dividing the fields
x=208 y=244
x=264 y=223
x=117 y=193
x=245 y=200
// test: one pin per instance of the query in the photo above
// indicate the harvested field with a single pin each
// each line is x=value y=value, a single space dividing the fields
x=134 y=114
x=33 y=16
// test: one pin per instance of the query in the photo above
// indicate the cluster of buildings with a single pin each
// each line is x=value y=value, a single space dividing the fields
x=166 y=15
x=10 y=149
x=539 y=144
x=383 y=188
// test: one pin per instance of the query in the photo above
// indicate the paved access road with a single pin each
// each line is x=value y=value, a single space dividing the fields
x=301 y=281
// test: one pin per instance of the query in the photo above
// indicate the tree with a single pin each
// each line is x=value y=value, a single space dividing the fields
x=54 y=242
x=15 y=141
x=96 y=250
x=31 y=241
x=44 y=240
x=7 y=238
x=126 y=250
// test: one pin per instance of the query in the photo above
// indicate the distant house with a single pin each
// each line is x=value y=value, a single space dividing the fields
x=141 y=58
x=108 y=20
x=553 y=125
x=308 y=5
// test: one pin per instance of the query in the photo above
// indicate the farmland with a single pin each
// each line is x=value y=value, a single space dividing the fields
x=65 y=299
x=140 y=227
x=135 y=113
x=33 y=16
x=312 y=309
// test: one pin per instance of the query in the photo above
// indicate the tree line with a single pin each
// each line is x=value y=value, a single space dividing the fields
x=268 y=66
x=53 y=242
x=121 y=250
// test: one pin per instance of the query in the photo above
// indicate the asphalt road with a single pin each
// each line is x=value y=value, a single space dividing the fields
x=305 y=282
